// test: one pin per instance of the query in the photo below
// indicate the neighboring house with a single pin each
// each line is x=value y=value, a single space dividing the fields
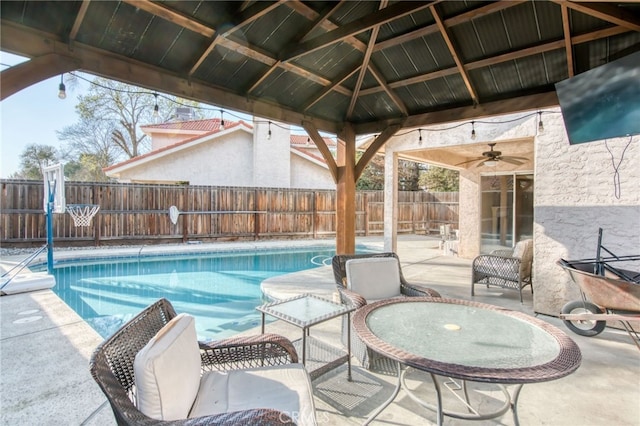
x=202 y=152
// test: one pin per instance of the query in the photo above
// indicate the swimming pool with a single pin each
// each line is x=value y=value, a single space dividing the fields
x=221 y=290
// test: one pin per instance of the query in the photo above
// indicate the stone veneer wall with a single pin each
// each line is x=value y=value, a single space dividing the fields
x=573 y=190
x=574 y=196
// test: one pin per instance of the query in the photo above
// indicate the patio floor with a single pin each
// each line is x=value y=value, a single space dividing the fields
x=45 y=348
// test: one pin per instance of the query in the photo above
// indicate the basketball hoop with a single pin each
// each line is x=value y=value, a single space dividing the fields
x=82 y=213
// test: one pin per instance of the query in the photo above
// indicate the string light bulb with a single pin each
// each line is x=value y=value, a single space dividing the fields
x=156 y=114
x=62 y=90
x=540 y=124
x=420 y=136
x=269 y=132
x=221 y=120
x=473 y=130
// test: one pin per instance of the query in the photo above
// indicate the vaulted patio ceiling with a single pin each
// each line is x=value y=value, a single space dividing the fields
x=372 y=64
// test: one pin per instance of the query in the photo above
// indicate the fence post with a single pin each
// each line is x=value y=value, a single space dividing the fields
x=314 y=211
x=97 y=223
x=366 y=214
x=184 y=217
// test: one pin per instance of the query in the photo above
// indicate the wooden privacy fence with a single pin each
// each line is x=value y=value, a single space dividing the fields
x=138 y=213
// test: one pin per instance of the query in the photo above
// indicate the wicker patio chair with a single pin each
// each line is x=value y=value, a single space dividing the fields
x=368 y=358
x=112 y=367
x=505 y=268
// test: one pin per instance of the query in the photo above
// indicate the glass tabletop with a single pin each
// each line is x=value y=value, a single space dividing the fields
x=465 y=335
x=305 y=310
x=467 y=340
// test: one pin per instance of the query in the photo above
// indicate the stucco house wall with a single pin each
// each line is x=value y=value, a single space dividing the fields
x=202 y=153
x=230 y=164
x=309 y=174
x=574 y=195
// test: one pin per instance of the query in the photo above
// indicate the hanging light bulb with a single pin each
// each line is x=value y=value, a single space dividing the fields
x=269 y=132
x=473 y=130
x=62 y=90
x=221 y=120
x=540 y=124
x=156 y=114
x=420 y=137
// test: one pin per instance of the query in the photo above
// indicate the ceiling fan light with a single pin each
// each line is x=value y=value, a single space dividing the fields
x=491 y=163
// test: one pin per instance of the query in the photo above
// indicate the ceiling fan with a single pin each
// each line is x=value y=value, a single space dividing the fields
x=491 y=158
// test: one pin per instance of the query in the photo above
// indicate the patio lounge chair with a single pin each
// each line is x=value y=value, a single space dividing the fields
x=153 y=370
x=505 y=268
x=366 y=278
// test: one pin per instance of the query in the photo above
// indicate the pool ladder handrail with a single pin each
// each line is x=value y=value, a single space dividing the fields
x=20 y=266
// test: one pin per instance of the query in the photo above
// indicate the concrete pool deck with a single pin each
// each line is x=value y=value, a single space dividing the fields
x=45 y=348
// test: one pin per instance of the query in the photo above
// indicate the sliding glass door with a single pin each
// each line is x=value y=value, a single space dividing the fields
x=506 y=210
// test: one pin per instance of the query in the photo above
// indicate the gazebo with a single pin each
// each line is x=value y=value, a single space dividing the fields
x=343 y=67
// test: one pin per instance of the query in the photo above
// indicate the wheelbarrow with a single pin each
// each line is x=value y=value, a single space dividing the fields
x=609 y=293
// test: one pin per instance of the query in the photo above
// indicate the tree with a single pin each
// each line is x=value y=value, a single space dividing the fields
x=438 y=179
x=372 y=177
x=34 y=159
x=110 y=116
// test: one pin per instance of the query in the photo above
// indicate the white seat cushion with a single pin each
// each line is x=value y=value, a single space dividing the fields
x=167 y=371
x=374 y=278
x=286 y=388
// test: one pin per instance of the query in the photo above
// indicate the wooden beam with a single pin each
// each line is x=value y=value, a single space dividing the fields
x=79 y=18
x=31 y=43
x=362 y=73
x=568 y=47
x=517 y=54
x=328 y=89
x=487 y=109
x=606 y=11
x=322 y=147
x=455 y=20
x=23 y=75
x=178 y=18
x=346 y=192
x=454 y=54
x=374 y=147
x=383 y=84
x=380 y=17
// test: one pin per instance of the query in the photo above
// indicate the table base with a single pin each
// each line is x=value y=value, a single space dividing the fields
x=321 y=357
x=472 y=414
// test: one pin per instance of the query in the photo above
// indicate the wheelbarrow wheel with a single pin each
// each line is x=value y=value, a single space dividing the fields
x=587 y=327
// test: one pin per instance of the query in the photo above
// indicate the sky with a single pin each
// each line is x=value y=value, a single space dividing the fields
x=32 y=116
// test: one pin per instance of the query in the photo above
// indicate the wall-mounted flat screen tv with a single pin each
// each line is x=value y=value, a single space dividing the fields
x=603 y=102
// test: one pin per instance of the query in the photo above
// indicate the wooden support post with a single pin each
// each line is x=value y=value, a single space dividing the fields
x=346 y=192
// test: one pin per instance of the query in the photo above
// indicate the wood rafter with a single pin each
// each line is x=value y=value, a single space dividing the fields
x=365 y=63
x=606 y=12
x=33 y=44
x=454 y=54
x=568 y=47
x=248 y=15
x=380 y=17
x=328 y=89
x=456 y=20
x=79 y=18
x=522 y=53
x=383 y=84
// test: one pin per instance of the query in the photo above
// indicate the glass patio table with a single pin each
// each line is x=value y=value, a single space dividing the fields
x=305 y=311
x=465 y=340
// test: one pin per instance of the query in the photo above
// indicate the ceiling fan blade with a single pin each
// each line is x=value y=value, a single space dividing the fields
x=511 y=160
x=471 y=161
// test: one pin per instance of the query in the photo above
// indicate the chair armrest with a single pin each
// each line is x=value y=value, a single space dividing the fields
x=414 y=290
x=496 y=266
x=246 y=352
x=502 y=252
x=351 y=298
x=256 y=416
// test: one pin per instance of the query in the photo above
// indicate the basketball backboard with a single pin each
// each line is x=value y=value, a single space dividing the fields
x=54 y=181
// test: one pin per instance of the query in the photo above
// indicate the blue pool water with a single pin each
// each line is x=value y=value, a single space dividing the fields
x=221 y=290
